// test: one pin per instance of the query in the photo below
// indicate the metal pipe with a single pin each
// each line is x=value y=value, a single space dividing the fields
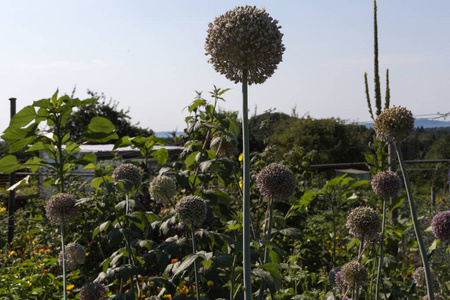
x=12 y=193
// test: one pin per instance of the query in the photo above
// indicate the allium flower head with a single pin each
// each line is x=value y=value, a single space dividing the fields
x=245 y=38
x=88 y=291
x=128 y=172
x=394 y=124
x=276 y=182
x=419 y=276
x=364 y=222
x=339 y=280
x=436 y=297
x=354 y=274
x=59 y=205
x=386 y=184
x=74 y=255
x=162 y=189
x=191 y=210
x=223 y=145
x=153 y=298
x=440 y=225
x=332 y=275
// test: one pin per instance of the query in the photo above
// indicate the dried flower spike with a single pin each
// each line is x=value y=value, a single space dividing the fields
x=419 y=277
x=364 y=222
x=245 y=38
x=354 y=274
x=128 y=172
x=191 y=210
x=74 y=255
x=60 y=205
x=386 y=184
x=162 y=189
x=440 y=225
x=276 y=182
x=88 y=291
x=394 y=124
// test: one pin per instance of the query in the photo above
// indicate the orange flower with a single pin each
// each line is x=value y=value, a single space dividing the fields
x=174 y=260
x=70 y=287
x=48 y=251
x=41 y=250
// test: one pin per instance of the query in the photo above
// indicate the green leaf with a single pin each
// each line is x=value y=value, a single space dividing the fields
x=87 y=159
x=8 y=164
x=122 y=142
x=161 y=156
x=307 y=198
x=191 y=159
x=34 y=163
x=100 y=130
x=39 y=146
x=23 y=117
x=21 y=144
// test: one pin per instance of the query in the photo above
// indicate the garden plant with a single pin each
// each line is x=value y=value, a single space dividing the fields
x=214 y=221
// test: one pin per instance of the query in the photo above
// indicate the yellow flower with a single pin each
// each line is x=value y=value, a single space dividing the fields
x=70 y=287
x=168 y=296
x=241 y=157
x=210 y=283
x=2 y=210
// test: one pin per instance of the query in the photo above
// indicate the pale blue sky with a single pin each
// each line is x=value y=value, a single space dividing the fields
x=149 y=55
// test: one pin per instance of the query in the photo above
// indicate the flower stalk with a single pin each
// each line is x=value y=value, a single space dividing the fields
x=412 y=209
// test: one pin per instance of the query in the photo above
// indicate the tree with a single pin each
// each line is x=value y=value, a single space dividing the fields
x=80 y=118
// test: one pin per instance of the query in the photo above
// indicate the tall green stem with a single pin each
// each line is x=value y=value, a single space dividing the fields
x=63 y=257
x=246 y=191
x=412 y=209
x=380 y=259
x=194 y=250
x=266 y=251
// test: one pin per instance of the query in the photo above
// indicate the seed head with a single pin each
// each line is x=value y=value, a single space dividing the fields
x=74 y=255
x=276 y=182
x=191 y=210
x=60 y=205
x=364 y=222
x=245 y=38
x=88 y=291
x=354 y=274
x=128 y=172
x=339 y=279
x=386 y=184
x=440 y=225
x=332 y=275
x=419 y=276
x=162 y=189
x=394 y=124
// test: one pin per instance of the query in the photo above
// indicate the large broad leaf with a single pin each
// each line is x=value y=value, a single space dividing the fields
x=100 y=130
x=161 y=156
x=23 y=117
x=8 y=164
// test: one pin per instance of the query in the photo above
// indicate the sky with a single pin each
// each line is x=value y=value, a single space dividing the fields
x=149 y=56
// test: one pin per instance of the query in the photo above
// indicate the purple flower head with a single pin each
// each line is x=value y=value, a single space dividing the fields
x=386 y=184
x=394 y=124
x=88 y=291
x=276 y=182
x=245 y=38
x=74 y=255
x=364 y=222
x=440 y=225
x=419 y=276
x=191 y=210
x=128 y=172
x=354 y=274
x=60 y=205
x=162 y=189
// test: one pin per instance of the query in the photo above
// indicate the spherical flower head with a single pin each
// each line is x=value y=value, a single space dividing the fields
x=436 y=297
x=60 y=205
x=354 y=274
x=332 y=275
x=440 y=225
x=88 y=291
x=245 y=38
x=394 y=124
x=128 y=172
x=276 y=182
x=162 y=189
x=339 y=280
x=364 y=222
x=191 y=210
x=153 y=298
x=386 y=184
x=419 y=276
x=74 y=255
x=223 y=145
